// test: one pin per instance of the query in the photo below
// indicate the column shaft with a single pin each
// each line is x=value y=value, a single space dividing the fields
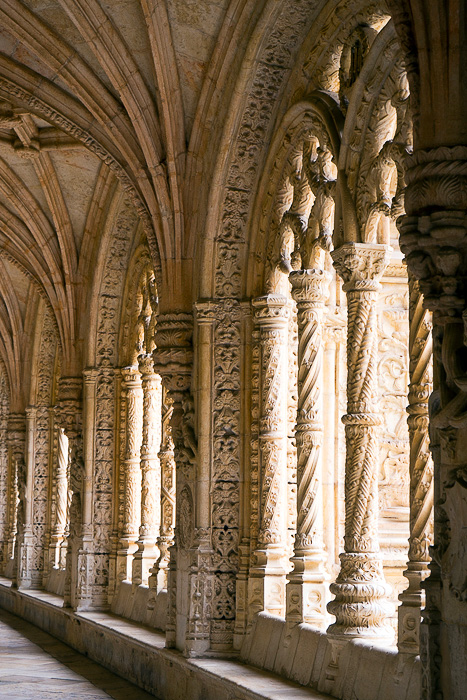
x=306 y=590
x=266 y=590
x=421 y=471
x=148 y=552
x=359 y=606
x=132 y=472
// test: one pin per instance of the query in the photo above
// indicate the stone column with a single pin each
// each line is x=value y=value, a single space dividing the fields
x=360 y=590
x=61 y=498
x=421 y=471
x=148 y=552
x=70 y=393
x=25 y=510
x=306 y=589
x=132 y=472
x=190 y=579
x=16 y=448
x=247 y=508
x=434 y=241
x=266 y=586
x=158 y=578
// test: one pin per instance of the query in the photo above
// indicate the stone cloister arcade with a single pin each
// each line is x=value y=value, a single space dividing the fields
x=232 y=345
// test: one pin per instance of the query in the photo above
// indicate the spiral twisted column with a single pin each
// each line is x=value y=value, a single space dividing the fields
x=421 y=471
x=158 y=577
x=148 y=552
x=71 y=420
x=433 y=238
x=132 y=471
x=266 y=590
x=25 y=577
x=16 y=438
x=306 y=588
x=61 y=498
x=360 y=590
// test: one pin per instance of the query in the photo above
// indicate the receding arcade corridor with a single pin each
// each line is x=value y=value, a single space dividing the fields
x=34 y=665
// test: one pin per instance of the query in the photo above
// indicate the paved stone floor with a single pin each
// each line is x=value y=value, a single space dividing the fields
x=36 y=666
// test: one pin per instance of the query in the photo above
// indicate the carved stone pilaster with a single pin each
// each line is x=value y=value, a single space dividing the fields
x=60 y=482
x=131 y=386
x=421 y=471
x=434 y=241
x=306 y=589
x=159 y=573
x=266 y=589
x=70 y=418
x=360 y=589
x=173 y=361
x=148 y=552
x=16 y=455
x=25 y=508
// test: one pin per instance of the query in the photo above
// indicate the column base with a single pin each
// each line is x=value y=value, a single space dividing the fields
x=25 y=555
x=306 y=601
x=360 y=605
x=143 y=561
x=266 y=585
x=125 y=556
x=409 y=612
x=198 y=578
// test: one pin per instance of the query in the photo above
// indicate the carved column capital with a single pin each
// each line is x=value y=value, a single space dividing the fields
x=31 y=412
x=16 y=429
x=146 y=365
x=206 y=311
x=173 y=356
x=270 y=311
x=434 y=230
x=131 y=377
x=90 y=375
x=361 y=265
x=70 y=395
x=309 y=286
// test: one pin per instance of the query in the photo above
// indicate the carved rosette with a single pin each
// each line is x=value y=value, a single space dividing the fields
x=421 y=471
x=359 y=606
x=305 y=590
x=134 y=431
x=434 y=241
